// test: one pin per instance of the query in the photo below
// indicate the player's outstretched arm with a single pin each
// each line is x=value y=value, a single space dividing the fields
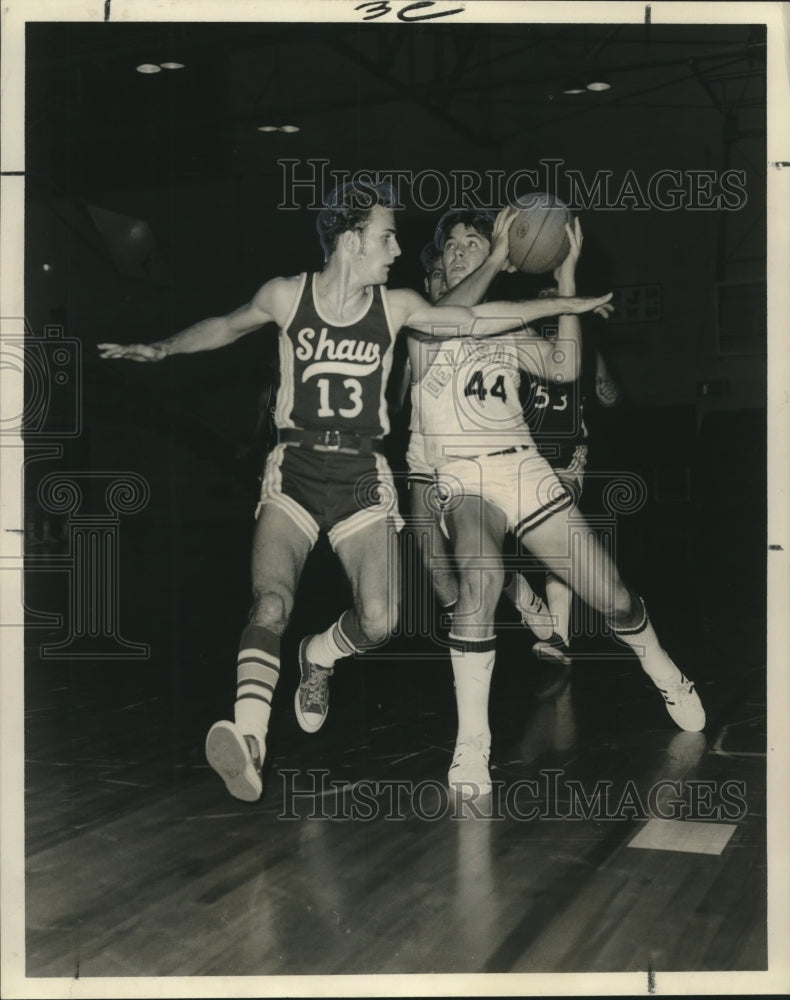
x=486 y=320
x=132 y=352
x=270 y=304
x=493 y=318
x=569 y=326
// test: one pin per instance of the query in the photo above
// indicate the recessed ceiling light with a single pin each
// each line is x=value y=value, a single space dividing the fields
x=172 y=65
x=289 y=128
x=574 y=87
x=599 y=84
x=267 y=128
x=149 y=68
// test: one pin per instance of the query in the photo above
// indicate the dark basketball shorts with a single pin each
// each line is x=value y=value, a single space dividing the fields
x=329 y=491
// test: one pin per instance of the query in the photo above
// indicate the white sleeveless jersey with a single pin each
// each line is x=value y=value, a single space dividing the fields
x=467 y=401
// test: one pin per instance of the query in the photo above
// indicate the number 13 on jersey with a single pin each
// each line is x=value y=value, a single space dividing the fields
x=352 y=395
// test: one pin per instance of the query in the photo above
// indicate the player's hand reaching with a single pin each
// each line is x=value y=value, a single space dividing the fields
x=574 y=304
x=567 y=268
x=604 y=311
x=500 y=239
x=133 y=352
x=565 y=274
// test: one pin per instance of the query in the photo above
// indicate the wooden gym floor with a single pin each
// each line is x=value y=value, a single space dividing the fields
x=139 y=864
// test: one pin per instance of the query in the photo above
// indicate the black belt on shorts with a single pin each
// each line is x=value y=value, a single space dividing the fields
x=345 y=441
x=491 y=454
x=508 y=451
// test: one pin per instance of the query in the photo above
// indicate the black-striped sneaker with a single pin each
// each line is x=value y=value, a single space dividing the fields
x=683 y=703
x=469 y=777
x=311 y=701
x=533 y=610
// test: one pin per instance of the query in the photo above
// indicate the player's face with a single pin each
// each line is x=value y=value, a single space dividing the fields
x=435 y=285
x=464 y=251
x=378 y=247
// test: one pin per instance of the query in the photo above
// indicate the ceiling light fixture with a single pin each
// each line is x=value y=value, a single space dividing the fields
x=271 y=105
x=149 y=68
x=574 y=87
x=598 y=83
x=172 y=65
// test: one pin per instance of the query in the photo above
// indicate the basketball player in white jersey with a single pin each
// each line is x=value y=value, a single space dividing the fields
x=553 y=411
x=466 y=404
x=327 y=473
x=424 y=502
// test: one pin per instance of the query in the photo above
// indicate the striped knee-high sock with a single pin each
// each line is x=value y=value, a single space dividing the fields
x=257 y=673
x=473 y=664
x=341 y=639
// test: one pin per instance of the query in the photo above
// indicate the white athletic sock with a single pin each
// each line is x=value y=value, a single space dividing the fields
x=656 y=662
x=328 y=647
x=558 y=598
x=473 y=664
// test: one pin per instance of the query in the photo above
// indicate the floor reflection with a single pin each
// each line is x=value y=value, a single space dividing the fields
x=551 y=725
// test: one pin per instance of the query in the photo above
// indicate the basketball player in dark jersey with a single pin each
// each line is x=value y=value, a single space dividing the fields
x=554 y=412
x=327 y=473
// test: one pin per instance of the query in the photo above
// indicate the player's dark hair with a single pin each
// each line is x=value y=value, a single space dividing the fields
x=348 y=208
x=473 y=218
x=429 y=254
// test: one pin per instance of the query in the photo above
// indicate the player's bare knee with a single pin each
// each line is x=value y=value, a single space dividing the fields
x=626 y=608
x=480 y=588
x=271 y=609
x=378 y=619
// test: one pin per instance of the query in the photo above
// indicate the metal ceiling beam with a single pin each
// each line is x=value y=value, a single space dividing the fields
x=591 y=107
x=714 y=97
x=405 y=92
x=440 y=88
x=427 y=93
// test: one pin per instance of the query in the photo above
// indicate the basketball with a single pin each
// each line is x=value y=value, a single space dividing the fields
x=538 y=241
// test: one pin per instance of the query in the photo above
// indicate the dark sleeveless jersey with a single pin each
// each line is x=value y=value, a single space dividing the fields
x=553 y=412
x=333 y=376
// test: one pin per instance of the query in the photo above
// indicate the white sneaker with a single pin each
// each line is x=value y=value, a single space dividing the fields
x=533 y=610
x=468 y=776
x=554 y=648
x=683 y=703
x=230 y=754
